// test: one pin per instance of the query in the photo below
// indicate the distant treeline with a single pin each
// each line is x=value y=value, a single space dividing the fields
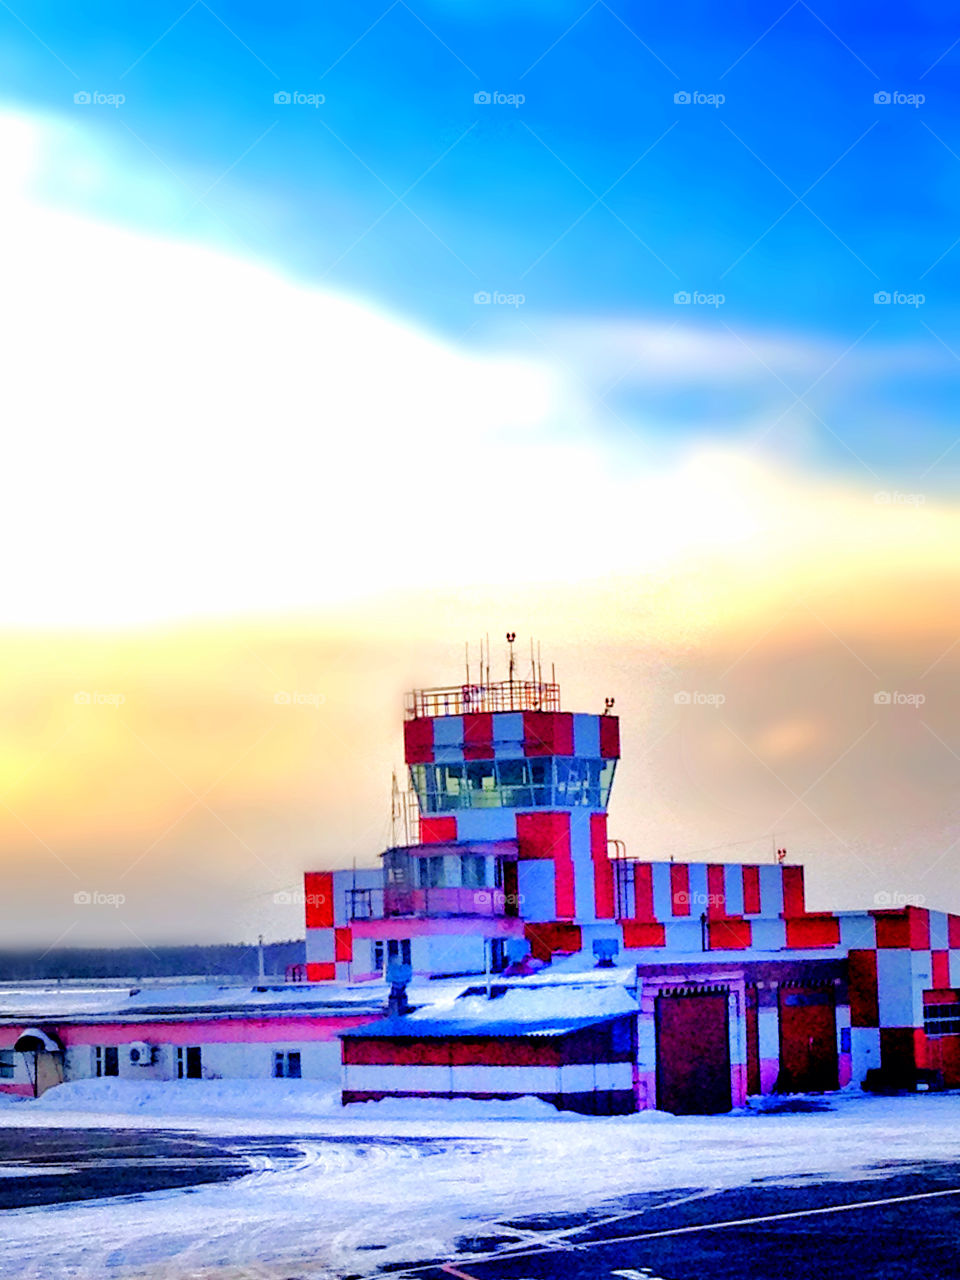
x=226 y=960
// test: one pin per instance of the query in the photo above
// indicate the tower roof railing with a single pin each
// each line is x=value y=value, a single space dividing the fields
x=499 y=695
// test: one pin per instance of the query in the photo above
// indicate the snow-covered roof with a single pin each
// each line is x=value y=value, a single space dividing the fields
x=522 y=1008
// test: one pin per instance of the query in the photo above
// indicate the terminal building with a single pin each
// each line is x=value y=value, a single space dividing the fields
x=511 y=873
x=506 y=946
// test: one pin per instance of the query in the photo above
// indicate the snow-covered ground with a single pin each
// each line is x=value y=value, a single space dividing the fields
x=344 y=1207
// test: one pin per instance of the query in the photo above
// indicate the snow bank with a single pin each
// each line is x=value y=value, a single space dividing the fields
x=198 y=1098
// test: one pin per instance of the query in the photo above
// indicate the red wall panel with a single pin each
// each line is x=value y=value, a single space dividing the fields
x=547 y=733
x=643 y=891
x=478 y=736
x=864 y=1003
x=418 y=740
x=547 y=835
x=545 y=939
x=437 y=830
x=793 y=900
x=751 y=891
x=321 y=972
x=343 y=944
x=610 y=737
x=603 y=884
x=318 y=899
x=813 y=931
x=902 y=1050
x=941 y=968
x=919 y=919
x=680 y=888
x=893 y=930
x=716 y=892
x=953 y=931
x=731 y=934
x=643 y=933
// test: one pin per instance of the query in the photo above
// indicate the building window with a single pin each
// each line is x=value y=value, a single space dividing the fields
x=6 y=1064
x=519 y=784
x=378 y=957
x=473 y=871
x=286 y=1065
x=498 y=955
x=430 y=872
x=189 y=1062
x=106 y=1060
x=398 y=949
x=941 y=1019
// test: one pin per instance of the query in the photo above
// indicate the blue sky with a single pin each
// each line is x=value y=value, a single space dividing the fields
x=504 y=198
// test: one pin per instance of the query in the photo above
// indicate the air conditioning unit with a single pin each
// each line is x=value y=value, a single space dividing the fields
x=141 y=1054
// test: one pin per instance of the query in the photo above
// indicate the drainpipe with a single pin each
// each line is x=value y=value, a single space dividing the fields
x=704 y=933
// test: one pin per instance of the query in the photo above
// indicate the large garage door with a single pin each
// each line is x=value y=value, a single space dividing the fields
x=693 y=1054
x=808 y=1040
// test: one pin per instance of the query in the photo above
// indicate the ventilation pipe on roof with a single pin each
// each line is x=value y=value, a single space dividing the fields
x=398 y=975
x=605 y=949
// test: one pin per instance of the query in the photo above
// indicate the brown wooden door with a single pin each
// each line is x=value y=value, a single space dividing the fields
x=808 y=1040
x=693 y=1054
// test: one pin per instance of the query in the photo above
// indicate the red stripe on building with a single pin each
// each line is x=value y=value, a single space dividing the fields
x=343 y=944
x=864 y=1001
x=545 y=939
x=437 y=830
x=478 y=736
x=547 y=835
x=603 y=885
x=813 y=931
x=643 y=933
x=610 y=737
x=716 y=892
x=680 y=888
x=318 y=899
x=643 y=891
x=941 y=995
x=940 y=972
x=418 y=740
x=547 y=733
x=902 y=1050
x=793 y=898
x=751 y=891
x=321 y=972
x=919 y=919
x=953 y=931
x=730 y=934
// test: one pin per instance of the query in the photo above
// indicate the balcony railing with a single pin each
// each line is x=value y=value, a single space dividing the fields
x=397 y=901
x=501 y=695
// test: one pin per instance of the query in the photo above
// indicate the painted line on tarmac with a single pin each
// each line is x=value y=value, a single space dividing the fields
x=787 y=1216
